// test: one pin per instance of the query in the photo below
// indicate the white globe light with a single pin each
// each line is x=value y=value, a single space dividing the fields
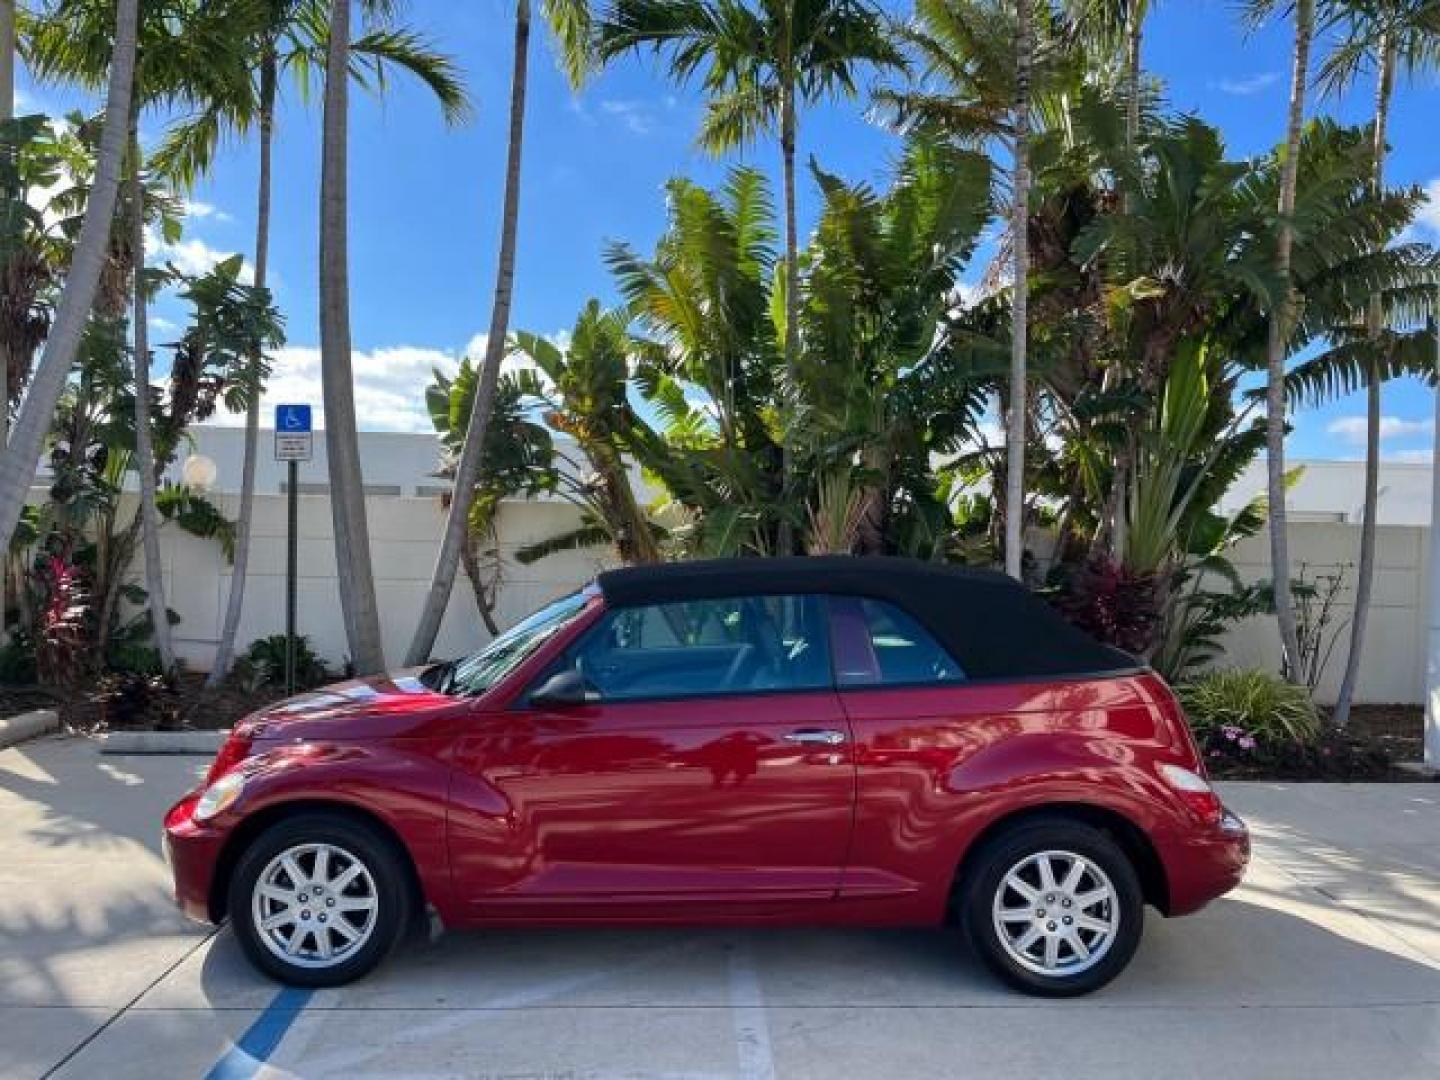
x=199 y=472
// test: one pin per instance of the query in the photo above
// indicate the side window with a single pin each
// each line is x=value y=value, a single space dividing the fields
x=878 y=644
x=737 y=645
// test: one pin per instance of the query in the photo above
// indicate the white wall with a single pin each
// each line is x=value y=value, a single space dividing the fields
x=404 y=536
x=1393 y=667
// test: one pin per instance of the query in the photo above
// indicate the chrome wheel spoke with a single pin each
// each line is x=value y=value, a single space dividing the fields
x=1072 y=879
x=1077 y=946
x=1089 y=922
x=1047 y=873
x=298 y=879
x=274 y=922
x=343 y=880
x=1016 y=915
x=354 y=903
x=1094 y=896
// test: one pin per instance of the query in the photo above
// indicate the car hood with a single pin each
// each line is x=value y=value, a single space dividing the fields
x=377 y=706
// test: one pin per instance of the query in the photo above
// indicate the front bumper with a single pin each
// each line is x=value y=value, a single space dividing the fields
x=192 y=852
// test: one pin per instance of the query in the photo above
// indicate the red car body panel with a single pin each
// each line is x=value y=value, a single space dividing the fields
x=700 y=810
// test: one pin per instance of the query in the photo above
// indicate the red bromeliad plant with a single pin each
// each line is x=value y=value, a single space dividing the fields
x=1114 y=604
x=62 y=643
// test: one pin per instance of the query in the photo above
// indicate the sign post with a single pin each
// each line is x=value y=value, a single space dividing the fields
x=294 y=443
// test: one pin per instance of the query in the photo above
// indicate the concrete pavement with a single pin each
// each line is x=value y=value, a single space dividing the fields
x=1326 y=963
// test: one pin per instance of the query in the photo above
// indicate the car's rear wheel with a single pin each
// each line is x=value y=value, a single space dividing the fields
x=1054 y=907
x=319 y=900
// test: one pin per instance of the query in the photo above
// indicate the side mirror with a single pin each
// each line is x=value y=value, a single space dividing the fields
x=564 y=689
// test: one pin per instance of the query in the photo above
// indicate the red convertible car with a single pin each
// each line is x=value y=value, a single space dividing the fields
x=821 y=741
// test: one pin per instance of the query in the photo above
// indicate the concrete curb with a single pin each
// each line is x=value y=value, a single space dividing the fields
x=16 y=729
x=1420 y=770
x=204 y=743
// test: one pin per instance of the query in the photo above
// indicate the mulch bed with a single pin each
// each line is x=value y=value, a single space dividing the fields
x=1378 y=737
x=194 y=709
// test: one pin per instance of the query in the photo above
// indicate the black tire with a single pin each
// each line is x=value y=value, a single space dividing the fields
x=1013 y=847
x=389 y=884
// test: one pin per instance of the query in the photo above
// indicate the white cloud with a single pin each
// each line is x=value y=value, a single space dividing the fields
x=1250 y=84
x=637 y=116
x=1351 y=429
x=389 y=385
x=191 y=256
x=1427 y=218
x=195 y=208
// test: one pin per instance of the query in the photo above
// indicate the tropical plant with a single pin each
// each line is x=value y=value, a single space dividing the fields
x=582 y=389
x=761 y=63
x=27 y=439
x=1253 y=701
x=266 y=659
x=518 y=459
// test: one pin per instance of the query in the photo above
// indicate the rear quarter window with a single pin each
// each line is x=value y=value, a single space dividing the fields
x=877 y=643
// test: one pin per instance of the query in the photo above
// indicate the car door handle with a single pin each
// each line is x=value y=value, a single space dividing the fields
x=825 y=737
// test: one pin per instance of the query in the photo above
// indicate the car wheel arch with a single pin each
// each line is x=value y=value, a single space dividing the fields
x=256 y=824
x=1133 y=840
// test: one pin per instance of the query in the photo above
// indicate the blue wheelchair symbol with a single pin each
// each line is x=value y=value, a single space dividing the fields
x=292 y=419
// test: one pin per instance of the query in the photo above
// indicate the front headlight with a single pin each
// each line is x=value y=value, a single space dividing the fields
x=219 y=796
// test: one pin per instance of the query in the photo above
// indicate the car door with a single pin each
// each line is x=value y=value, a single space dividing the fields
x=713 y=770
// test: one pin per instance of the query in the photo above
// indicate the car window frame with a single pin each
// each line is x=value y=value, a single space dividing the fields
x=566 y=656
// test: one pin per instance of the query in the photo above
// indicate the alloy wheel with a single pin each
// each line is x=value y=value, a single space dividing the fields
x=315 y=905
x=1056 y=913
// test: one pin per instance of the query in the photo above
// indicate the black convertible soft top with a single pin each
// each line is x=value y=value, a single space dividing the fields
x=994 y=626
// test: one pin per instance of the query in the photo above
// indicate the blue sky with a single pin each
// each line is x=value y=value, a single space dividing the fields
x=425 y=200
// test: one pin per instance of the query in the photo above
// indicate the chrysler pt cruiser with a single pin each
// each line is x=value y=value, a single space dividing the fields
x=829 y=741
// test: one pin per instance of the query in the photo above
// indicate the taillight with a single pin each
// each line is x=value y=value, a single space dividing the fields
x=1194 y=791
x=233 y=751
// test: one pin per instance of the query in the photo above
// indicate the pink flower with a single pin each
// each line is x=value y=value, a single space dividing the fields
x=1247 y=743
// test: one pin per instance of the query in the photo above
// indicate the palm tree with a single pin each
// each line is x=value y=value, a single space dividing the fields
x=762 y=62
x=187 y=56
x=342 y=444
x=22 y=454
x=1402 y=34
x=570 y=20
x=1281 y=318
x=291 y=36
x=7 y=112
x=1020 y=249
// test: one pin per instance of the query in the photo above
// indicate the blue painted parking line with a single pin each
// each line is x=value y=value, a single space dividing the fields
x=245 y=1059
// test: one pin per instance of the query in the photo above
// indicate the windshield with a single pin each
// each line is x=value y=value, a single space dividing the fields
x=477 y=673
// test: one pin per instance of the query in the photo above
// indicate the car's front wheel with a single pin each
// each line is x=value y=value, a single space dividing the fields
x=319 y=900
x=1054 y=907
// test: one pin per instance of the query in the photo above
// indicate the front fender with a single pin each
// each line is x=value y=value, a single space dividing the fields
x=401 y=786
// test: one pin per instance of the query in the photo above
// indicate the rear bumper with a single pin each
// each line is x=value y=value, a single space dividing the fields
x=192 y=852
x=1203 y=865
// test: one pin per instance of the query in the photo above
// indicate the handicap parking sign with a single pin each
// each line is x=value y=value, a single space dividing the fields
x=293 y=433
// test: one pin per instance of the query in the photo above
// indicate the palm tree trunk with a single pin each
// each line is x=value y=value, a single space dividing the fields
x=225 y=650
x=788 y=125
x=1134 y=31
x=1015 y=424
x=467 y=469
x=1277 y=348
x=342 y=444
x=22 y=454
x=7 y=112
x=1365 y=574
x=144 y=443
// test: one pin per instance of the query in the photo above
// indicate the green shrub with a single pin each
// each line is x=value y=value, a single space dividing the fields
x=1254 y=703
x=264 y=663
